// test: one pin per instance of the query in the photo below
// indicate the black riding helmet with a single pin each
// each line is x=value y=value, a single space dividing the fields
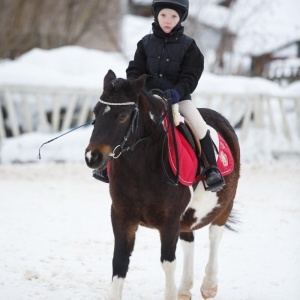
x=183 y=5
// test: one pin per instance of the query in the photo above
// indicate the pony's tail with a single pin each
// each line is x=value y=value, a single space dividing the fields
x=232 y=221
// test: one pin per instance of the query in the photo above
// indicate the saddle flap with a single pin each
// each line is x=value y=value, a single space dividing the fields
x=188 y=161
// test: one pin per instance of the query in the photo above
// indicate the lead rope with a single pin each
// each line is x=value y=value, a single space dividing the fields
x=83 y=125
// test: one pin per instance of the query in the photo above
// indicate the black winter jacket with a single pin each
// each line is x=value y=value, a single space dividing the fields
x=171 y=61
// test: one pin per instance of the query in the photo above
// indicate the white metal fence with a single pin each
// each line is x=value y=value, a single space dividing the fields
x=46 y=109
x=29 y=109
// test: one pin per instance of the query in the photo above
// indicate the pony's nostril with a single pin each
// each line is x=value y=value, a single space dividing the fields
x=96 y=155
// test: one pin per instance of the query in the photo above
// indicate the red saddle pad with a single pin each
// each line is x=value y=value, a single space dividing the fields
x=188 y=162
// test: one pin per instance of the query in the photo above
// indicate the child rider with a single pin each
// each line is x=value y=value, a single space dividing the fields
x=174 y=64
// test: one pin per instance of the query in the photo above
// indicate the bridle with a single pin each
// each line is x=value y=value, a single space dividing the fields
x=132 y=128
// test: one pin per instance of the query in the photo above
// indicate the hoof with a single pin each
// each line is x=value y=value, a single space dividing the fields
x=183 y=297
x=209 y=292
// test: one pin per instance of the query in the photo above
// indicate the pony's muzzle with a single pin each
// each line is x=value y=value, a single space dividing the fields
x=97 y=159
x=93 y=159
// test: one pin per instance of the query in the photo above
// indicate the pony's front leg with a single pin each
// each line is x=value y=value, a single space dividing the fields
x=169 y=237
x=187 y=279
x=209 y=286
x=124 y=242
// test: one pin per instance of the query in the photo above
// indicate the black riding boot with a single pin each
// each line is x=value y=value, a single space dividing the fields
x=211 y=175
x=101 y=175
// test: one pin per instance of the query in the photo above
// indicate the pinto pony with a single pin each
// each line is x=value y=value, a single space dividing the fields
x=129 y=138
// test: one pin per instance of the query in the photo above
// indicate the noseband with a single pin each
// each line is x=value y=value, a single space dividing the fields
x=132 y=128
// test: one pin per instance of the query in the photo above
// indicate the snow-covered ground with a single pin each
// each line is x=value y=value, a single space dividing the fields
x=57 y=243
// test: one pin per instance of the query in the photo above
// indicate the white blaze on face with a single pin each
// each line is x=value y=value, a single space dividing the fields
x=106 y=110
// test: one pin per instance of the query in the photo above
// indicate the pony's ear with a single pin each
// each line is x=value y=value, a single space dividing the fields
x=109 y=77
x=139 y=83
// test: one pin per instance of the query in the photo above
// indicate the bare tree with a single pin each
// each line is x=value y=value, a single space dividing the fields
x=25 y=24
x=228 y=37
x=220 y=42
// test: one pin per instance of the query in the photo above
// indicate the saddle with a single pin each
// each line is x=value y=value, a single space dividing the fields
x=191 y=159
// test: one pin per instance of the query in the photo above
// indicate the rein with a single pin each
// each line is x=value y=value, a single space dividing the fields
x=171 y=123
x=132 y=128
x=169 y=112
x=75 y=128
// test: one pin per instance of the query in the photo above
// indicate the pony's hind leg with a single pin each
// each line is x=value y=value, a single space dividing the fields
x=186 y=283
x=209 y=286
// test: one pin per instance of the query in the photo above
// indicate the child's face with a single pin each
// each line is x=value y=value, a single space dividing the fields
x=168 y=19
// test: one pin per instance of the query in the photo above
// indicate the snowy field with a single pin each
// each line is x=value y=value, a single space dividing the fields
x=57 y=243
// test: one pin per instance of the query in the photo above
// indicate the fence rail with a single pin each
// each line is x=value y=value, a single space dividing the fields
x=46 y=109
x=28 y=109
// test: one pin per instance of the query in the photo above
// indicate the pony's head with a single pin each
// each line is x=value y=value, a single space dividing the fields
x=115 y=119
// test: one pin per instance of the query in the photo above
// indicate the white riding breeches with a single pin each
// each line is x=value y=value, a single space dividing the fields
x=189 y=111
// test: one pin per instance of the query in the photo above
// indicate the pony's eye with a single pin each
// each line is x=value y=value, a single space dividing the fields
x=122 y=118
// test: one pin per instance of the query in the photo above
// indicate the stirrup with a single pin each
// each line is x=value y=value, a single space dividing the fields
x=100 y=176
x=213 y=187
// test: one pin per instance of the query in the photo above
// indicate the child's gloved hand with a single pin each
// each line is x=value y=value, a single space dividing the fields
x=174 y=95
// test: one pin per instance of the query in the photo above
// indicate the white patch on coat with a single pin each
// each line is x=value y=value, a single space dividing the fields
x=191 y=199
x=116 y=288
x=203 y=203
